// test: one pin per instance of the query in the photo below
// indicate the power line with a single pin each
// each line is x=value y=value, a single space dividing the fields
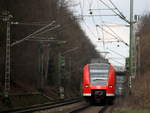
x=36 y=32
x=116 y=25
x=102 y=30
x=117 y=62
x=120 y=15
x=109 y=7
x=101 y=26
x=84 y=20
x=89 y=29
x=107 y=32
x=28 y=24
x=103 y=9
x=97 y=30
x=116 y=53
x=94 y=24
x=112 y=33
x=117 y=35
x=108 y=15
x=115 y=58
x=86 y=23
x=109 y=41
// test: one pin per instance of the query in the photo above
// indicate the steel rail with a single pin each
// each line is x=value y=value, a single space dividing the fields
x=80 y=109
x=102 y=110
x=44 y=106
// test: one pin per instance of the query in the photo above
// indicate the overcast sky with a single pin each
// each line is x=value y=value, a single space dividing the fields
x=117 y=51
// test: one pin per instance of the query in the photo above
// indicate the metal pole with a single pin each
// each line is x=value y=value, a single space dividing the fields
x=61 y=88
x=135 y=55
x=138 y=56
x=7 y=60
x=46 y=62
x=59 y=68
x=41 y=63
x=131 y=44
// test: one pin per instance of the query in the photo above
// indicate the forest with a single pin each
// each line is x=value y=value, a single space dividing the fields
x=36 y=62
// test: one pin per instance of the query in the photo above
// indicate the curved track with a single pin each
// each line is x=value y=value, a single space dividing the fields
x=44 y=106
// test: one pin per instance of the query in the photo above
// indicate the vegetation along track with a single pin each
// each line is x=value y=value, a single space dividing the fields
x=44 y=106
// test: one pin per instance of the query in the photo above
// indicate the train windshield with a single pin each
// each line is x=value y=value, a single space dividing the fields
x=99 y=74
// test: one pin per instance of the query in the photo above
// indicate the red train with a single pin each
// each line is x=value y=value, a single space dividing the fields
x=99 y=82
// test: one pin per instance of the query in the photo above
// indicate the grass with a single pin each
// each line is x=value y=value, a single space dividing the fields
x=132 y=111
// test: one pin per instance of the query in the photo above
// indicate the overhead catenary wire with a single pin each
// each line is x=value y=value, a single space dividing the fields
x=109 y=7
x=30 y=23
x=89 y=29
x=35 y=33
x=115 y=7
x=86 y=23
x=103 y=36
x=116 y=53
x=117 y=62
x=97 y=29
x=109 y=41
x=106 y=29
x=116 y=35
x=106 y=15
x=115 y=58
x=113 y=35
x=116 y=25
x=94 y=22
x=119 y=14
x=107 y=32
x=102 y=31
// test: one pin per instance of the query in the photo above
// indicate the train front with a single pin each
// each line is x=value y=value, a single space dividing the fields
x=98 y=81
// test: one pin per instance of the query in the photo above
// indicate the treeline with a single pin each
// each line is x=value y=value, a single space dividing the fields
x=144 y=34
x=141 y=85
x=29 y=59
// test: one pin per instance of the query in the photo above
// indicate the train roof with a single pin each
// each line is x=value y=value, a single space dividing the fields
x=99 y=64
x=98 y=60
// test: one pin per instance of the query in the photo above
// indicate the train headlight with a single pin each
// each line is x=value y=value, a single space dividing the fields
x=86 y=86
x=110 y=86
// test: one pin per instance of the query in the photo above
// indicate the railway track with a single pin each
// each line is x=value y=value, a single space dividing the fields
x=92 y=109
x=44 y=106
x=103 y=109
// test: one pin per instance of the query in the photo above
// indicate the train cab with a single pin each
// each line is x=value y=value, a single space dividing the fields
x=98 y=81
